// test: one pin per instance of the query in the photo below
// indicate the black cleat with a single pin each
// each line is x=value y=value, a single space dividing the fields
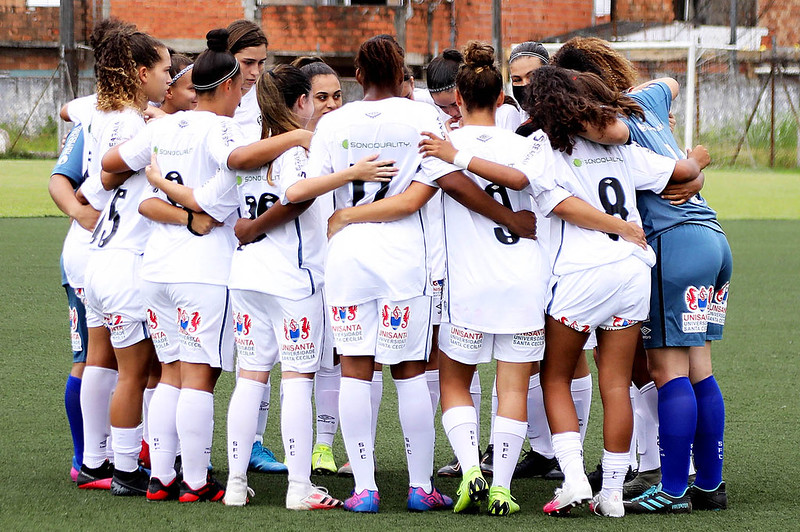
x=452 y=469
x=715 y=500
x=98 y=478
x=534 y=464
x=487 y=461
x=130 y=484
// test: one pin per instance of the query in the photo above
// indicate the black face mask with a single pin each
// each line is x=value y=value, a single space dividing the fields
x=519 y=93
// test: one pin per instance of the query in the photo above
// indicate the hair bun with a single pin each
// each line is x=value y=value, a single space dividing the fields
x=304 y=60
x=478 y=54
x=453 y=55
x=217 y=40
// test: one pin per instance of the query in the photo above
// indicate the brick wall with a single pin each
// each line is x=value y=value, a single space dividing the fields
x=172 y=19
x=782 y=18
x=647 y=11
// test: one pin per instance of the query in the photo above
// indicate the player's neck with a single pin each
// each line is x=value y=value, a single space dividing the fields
x=478 y=117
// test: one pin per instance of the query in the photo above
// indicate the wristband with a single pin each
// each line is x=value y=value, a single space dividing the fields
x=189 y=222
x=462 y=159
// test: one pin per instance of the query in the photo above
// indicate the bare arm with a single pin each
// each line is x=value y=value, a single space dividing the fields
x=680 y=193
x=160 y=211
x=616 y=133
x=689 y=169
x=248 y=230
x=113 y=163
x=175 y=191
x=500 y=174
x=578 y=212
x=259 y=153
x=64 y=197
x=367 y=169
x=111 y=181
x=386 y=210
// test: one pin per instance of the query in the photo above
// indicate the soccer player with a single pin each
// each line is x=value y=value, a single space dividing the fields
x=180 y=95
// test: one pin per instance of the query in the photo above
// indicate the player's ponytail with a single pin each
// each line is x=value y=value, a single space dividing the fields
x=215 y=65
x=478 y=80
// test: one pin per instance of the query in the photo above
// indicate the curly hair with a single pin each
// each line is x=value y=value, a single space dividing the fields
x=119 y=48
x=590 y=54
x=562 y=101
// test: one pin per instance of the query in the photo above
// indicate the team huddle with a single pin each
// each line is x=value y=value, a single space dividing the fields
x=229 y=218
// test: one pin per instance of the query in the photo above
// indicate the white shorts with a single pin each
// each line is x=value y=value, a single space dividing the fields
x=190 y=322
x=611 y=296
x=270 y=329
x=391 y=331
x=436 y=291
x=113 y=294
x=474 y=347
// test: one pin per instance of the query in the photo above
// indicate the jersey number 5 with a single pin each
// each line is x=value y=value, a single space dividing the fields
x=113 y=218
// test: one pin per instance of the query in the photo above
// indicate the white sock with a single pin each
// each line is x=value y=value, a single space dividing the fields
x=127 y=446
x=461 y=426
x=97 y=387
x=538 y=428
x=326 y=400
x=508 y=437
x=615 y=466
x=432 y=377
x=148 y=396
x=354 y=420
x=376 y=394
x=647 y=437
x=296 y=428
x=263 y=411
x=569 y=453
x=475 y=392
x=416 y=419
x=163 y=432
x=494 y=411
x=243 y=416
x=582 y=397
x=194 y=420
x=633 y=462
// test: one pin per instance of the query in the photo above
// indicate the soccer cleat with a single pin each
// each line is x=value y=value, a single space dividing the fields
x=655 y=501
x=264 y=461
x=130 y=484
x=452 y=469
x=501 y=502
x=156 y=491
x=596 y=477
x=716 y=499
x=567 y=497
x=345 y=471
x=643 y=481
x=487 y=461
x=421 y=501
x=608 y=507
x=212 y=490
x=237 y=491
x=73 y=471
x=365 y=502
x=310 y=497
x=144 y=455
x=98 y=478
x=322 y=462
x=473 y=490
x=534 y=464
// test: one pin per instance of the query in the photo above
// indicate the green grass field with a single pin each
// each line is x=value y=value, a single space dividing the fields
x=756 y=365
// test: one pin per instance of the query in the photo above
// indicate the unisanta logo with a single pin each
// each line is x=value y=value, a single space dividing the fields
x=73 y=319
x=152 y=319
x=188 y=322
x=294 y=331
x=697 y=299
x=344 y=313
x=397 y=318
x=243 y=324
x=721 y=296
x=620 y=322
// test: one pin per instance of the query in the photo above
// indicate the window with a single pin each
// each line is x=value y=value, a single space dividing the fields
x=43 y=3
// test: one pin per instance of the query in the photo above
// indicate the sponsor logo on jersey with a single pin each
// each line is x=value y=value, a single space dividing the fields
x=373 y=114
x=152 y=319
x=397 y=318
x=485 y=138
x=344 y=313
x=182 y=124
x=175 y=153
x=697 y=301
x=597 y=160
x=115 y=326
x=373 y=145
x=294 y=330
x=621 y=323
x=243 y=323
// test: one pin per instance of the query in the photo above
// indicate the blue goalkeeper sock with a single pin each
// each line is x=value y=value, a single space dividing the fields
x=72 y=402
x=677 y=416
x=708 y=439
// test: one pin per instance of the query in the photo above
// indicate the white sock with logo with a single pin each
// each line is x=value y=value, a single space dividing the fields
x=538 y=427
x=376 y=394
x=243 y=417
x=326 y=400
x=461 y=426
x=416 y=419
x=615 y=466
x=355 y=421
x=569 y=452
x=127 y=443
x=296 y=427
x=263 y=411
x=476 y=392
x=163 y=432
x=508 y=437
x=194 y=419
x=96 y=389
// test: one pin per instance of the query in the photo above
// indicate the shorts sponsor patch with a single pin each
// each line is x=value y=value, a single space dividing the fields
x=189 y=322
x=344 y=326
x=572 y=324
x=697 y=302
x=466 y=339
x=393 y=331
x=74 y=335
x=245 y=345
x=159 y=337
x=718 y=306
x=116 y=327
x=529 y=339
x=297 y=347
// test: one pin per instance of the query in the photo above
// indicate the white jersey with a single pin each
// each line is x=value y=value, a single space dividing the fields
x=496 y=281
x=288 y=260
x=424 y=96
x=191 y=147
x=606 y=177
x=248 y=116
x=120 y=226
x=375 y=260
x=508 y=117
x=80 y=110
